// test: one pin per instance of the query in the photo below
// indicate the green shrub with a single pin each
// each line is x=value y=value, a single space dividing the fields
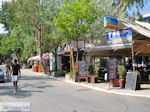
x=121 y=71
x=91 y=69
x=71 y=74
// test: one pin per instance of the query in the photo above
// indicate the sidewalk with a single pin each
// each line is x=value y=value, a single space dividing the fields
x=144 y=92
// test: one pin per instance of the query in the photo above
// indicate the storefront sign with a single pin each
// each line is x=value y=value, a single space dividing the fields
x=131 y=80
x=112 y=67
x=110 y=23
x=82 y=69
x=119 y=36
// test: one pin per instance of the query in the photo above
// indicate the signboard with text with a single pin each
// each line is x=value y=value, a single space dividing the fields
x=82 y=69
x=119 y=36
x=131 y=81
x=112 y=69
x=111 y=23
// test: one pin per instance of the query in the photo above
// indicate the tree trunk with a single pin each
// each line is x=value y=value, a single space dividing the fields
x=56 y=59
x=18 y=59
x=77 y=52
x=40 y=49
x=72 y=60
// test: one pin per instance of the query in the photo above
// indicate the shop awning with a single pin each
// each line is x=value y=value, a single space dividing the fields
x=135 y=26
x=140 y=47
x=143 y=24
x=112 y=47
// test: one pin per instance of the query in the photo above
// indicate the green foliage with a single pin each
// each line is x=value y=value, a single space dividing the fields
x=121 y=71
x=75 y=17
x=26 y=19
x=71 y=74
x=97 y=30
x=91 y=69
x=55 y=21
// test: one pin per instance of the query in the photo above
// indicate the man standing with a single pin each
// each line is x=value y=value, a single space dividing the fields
x=15 y=69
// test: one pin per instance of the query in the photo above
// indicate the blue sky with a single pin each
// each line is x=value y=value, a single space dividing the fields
x=1 y=26
x=145 y=10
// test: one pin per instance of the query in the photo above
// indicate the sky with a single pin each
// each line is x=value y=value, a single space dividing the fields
x=1 y=26
x=145 y=10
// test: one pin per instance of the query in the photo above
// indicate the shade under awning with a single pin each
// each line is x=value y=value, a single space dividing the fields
x=140 y=47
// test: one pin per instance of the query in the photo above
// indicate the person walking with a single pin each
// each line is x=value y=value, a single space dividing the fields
x=7 y=70
x=16 y=73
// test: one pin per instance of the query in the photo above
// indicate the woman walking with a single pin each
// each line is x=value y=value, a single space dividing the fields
x=7 y=70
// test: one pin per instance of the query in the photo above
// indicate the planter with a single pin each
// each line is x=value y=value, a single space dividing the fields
x=121 y=83
x=93 y=79
x=114 y=83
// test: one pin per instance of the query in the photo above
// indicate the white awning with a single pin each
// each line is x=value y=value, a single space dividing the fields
x=144 y=24
x=138 y=28
x=112 y=47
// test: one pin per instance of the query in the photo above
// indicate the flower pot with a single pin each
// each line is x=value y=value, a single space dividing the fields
x=121 y=83
x=114 y=83
x=93 y=79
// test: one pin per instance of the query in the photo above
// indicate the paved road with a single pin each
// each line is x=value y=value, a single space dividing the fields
x=47 y=95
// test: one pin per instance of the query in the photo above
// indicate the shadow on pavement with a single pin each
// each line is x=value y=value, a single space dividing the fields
x=34 y=78
x=27 y=86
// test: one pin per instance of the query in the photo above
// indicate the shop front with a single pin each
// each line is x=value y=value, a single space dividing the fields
x=132 y=54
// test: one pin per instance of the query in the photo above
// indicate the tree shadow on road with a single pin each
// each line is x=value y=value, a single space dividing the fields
x=19 y=94
x=28 y=85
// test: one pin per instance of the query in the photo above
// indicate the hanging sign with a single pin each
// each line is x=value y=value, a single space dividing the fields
x=111 y=23
x=119 y=36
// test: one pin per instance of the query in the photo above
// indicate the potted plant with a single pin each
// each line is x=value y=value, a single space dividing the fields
x=91 y=69
x=121 y=72
x=73 y=76
x=115 y=82
x=93 y=78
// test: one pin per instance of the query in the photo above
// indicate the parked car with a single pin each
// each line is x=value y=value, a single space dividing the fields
x=1 y=76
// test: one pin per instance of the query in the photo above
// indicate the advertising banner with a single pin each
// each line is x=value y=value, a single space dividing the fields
x=119 y=36
x=111 y=23
x=112 y=69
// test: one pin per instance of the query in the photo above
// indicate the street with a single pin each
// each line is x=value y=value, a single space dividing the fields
x=47 y=95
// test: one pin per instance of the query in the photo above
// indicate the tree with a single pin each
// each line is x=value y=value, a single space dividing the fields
x=34 y=18
x=12 y=44
x=97 y=30
x=75 y=18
